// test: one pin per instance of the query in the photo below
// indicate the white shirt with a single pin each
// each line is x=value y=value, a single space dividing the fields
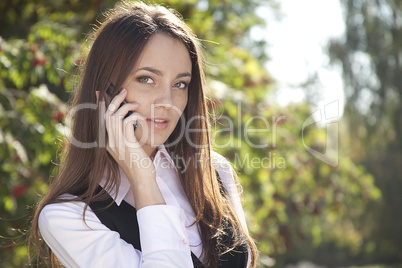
x=167 y=236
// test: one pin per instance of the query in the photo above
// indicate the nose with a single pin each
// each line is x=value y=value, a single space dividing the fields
x=165 y=97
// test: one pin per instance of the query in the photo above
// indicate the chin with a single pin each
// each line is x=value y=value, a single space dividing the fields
x=155 y=141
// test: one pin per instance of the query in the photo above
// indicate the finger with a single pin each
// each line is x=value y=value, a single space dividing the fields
x=114 y=130
x=133 y=118
x=114 y=125
x=129 y=123
x=115 y=103
x=127 y=107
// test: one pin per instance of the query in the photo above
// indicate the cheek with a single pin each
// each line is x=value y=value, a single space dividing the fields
x=136 y=96
x=182 y=102
x=180 y=105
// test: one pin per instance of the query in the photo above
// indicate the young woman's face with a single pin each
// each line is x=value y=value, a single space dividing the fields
x=159 y=83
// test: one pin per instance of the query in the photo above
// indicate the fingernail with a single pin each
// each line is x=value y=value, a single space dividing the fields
x=122 y=91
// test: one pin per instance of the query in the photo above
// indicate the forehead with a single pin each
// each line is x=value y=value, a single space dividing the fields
x=165 y=53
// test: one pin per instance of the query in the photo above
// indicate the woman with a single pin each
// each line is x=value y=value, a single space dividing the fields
x=152 y=195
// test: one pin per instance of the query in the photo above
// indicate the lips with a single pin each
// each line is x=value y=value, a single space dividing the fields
x=158 y=120
x=158 y=123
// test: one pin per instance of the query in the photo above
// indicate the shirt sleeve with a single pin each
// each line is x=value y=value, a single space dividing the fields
x=91 y=244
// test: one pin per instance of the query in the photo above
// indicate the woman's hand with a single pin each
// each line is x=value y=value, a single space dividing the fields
x=128 y=153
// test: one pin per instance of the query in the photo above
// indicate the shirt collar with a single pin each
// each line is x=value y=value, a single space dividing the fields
x=162 y=155
x=124 y=187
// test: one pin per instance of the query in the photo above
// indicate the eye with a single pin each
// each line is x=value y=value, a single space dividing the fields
x=181 y=85
x=145 y=80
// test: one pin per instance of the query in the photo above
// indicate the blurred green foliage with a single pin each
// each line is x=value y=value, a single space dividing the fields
x=297 y=206
x=370 y=56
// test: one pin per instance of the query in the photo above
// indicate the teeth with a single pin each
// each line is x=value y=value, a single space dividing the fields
x=158 y=121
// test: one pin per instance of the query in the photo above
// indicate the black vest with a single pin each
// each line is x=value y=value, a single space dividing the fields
x=123 y=219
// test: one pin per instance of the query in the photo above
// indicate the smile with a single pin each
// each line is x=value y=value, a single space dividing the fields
x=158 y=120
x=158 y=123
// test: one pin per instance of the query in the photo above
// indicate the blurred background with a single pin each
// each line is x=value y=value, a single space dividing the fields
x=313 y=90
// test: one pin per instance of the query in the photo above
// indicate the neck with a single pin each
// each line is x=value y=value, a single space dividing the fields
x=150 y=151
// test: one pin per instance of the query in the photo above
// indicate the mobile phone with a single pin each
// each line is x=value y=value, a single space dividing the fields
x=109 y=93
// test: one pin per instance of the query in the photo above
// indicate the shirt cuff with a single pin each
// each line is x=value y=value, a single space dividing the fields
x=162 y=227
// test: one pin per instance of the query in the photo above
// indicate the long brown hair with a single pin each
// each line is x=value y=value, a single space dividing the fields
x=117 y=45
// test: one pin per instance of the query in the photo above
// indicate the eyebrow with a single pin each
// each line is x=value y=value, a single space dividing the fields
x=157 y=72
